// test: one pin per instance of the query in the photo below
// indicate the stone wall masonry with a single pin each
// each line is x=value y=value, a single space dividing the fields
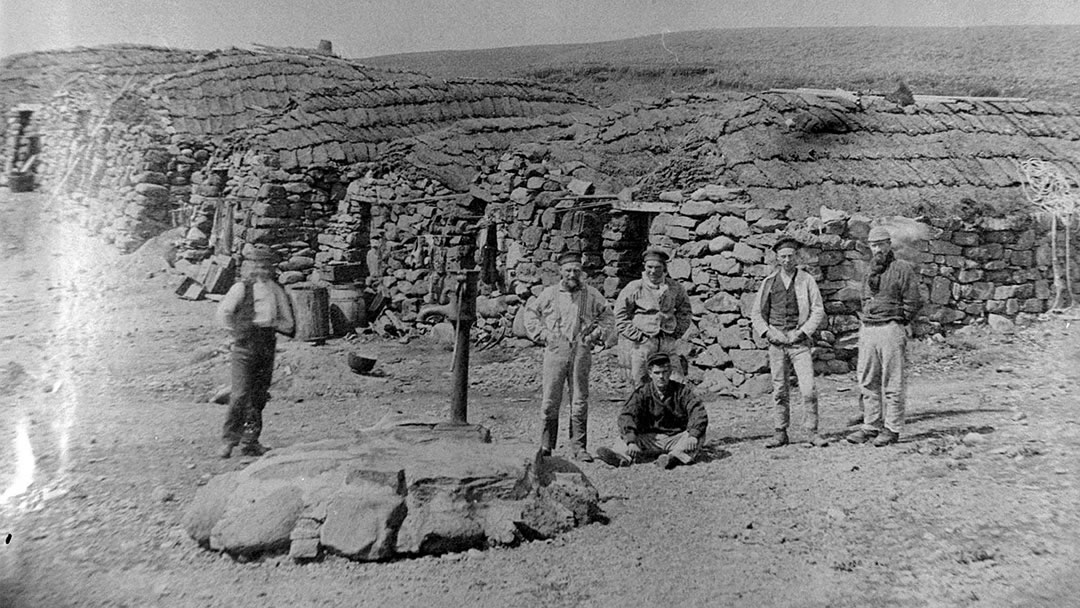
x=721 y=243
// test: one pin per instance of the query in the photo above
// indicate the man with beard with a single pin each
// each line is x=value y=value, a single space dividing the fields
x=651 y=314
x=254 y=308
x=568 y=318
x=890 y=300
x=787 y=311
x=661 y=418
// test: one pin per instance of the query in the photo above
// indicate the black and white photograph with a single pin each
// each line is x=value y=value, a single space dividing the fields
x=539 y=303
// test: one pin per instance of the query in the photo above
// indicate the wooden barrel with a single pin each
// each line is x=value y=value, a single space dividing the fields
x=311 y=309
x=346 y=309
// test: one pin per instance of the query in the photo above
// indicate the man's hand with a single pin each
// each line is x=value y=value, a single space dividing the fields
x=909 y=331
x=633 y=451
x=794 y=336
x=691 y=443
x=777 y=337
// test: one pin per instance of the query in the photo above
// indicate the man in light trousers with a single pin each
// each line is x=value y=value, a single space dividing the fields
x=787 y=311
x=652 y=314
x=890 y=301
x=569 y=319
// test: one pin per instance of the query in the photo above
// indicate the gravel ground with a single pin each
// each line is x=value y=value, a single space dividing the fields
x=106 y=375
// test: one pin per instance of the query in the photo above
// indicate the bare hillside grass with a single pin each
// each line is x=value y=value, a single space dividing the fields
x=1013 y=61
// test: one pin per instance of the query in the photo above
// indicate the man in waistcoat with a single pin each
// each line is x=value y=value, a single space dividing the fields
x=890 y=301
x=787 y=311
x=568 y=318
x=652 y=313
x=254 y=310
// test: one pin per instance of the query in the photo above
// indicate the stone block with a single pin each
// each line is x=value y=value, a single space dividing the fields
x=966 y=239
x=709 y=227
x=713 y=192
x=362 y=522
x=697 y=209
x=747 y=254
x=723 y=264
x=1033 y=305
x=678 y=233
x=750 y=361
x=941 y=290
x=722 y=302
x=671 y=196
x=255 y=526
x=713 y=356
x=731 y=337
x=717 y=382
x=969 y=276
x=734 y=226
x=679 y=269
x=720 y=244
x=940 y=247
x=757 y=386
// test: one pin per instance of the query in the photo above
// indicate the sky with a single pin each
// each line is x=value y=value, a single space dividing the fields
x=366 y=28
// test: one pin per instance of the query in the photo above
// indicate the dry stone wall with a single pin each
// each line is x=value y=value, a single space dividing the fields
x=970 y=268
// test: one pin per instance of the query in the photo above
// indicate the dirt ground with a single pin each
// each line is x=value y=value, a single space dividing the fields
x=105 y=376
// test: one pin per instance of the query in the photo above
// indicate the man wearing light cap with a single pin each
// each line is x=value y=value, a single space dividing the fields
x=787 y=311
x=661 y=418
x=890 y=300
x=254 y=310
x=651 y=314
x=568 y=318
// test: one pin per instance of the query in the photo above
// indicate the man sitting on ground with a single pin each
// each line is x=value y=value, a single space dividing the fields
x=661 y=417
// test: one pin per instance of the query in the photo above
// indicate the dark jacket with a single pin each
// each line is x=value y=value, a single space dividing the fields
x=646 y=412
x=897 y=297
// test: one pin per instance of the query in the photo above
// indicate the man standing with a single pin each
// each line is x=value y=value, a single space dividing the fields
x=651 y=314
x=661 y=417
x=890 y=299
x=568 y=318
x=253 y=310
x=786 y=312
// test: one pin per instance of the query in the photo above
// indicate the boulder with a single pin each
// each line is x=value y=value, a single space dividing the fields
x=400 y=488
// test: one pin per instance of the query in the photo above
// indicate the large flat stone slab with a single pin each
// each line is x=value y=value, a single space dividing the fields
x=400 y=488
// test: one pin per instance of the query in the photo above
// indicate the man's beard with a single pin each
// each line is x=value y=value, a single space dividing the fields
x=571 y=284
x=879 y=262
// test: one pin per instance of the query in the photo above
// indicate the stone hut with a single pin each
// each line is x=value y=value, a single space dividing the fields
x=394 y=178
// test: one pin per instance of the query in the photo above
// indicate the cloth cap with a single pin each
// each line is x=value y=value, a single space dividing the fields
x=569 y=257
x=656 y=253
x=879 y=233
x=658 y=359
x=261 y=253
x=786 y=242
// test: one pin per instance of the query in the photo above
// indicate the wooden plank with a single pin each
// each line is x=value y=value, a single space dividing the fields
x=645 y=206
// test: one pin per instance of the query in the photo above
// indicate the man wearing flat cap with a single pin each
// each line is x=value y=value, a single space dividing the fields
x=661 y=418
x=254 y=310
x=890 y=301
x=651 y=314
x=787 y=311
x=568 y=318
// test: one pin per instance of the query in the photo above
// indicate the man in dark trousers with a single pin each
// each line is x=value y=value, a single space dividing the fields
x=661 y=418
x=254 y=310
x=890 y=300
x=786 y=312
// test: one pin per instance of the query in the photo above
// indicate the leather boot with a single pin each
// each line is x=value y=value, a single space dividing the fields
x=779 y=439
x=579 y=431
x=548 y=435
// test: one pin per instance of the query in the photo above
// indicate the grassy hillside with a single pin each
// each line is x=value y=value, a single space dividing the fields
x=1023 y=61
